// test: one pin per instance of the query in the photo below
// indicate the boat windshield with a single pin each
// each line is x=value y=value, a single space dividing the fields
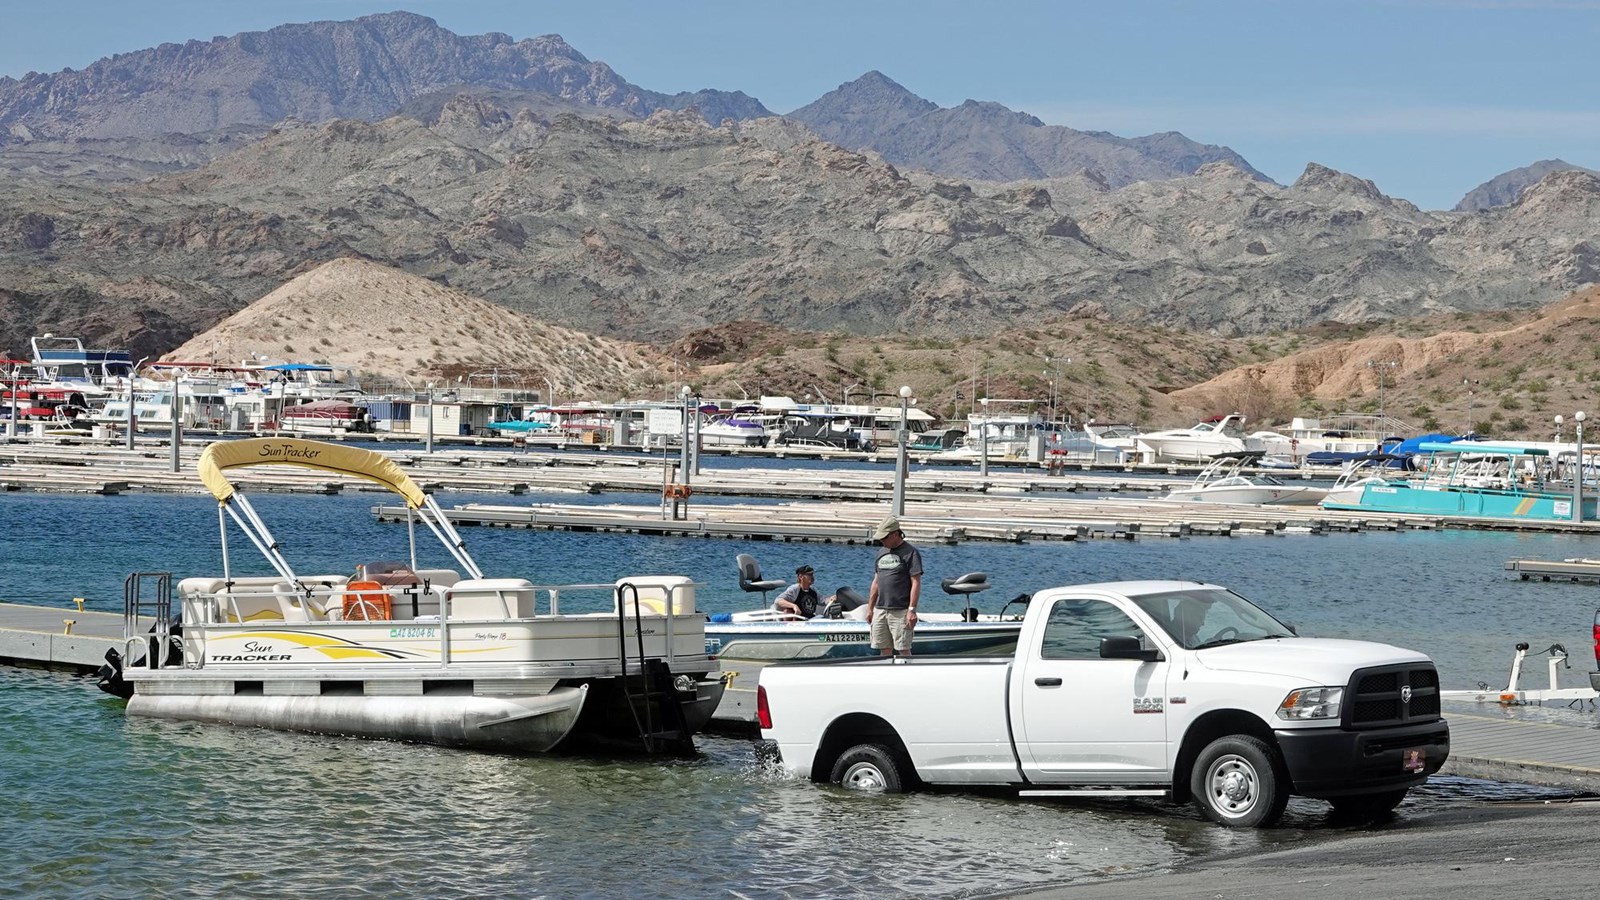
x=1209 y=617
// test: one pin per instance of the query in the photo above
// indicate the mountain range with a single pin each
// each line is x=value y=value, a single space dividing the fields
x=989 y=142
x=153 y=193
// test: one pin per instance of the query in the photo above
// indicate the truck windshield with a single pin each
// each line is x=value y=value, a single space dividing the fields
x=1208 y=617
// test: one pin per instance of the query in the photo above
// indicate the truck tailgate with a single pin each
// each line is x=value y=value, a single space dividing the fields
x=950 y=714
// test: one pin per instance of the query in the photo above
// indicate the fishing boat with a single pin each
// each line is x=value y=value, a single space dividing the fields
x=768 y=635
x=400 y=651
x=744 y=642
x=1471 y=478
x=1223 y=481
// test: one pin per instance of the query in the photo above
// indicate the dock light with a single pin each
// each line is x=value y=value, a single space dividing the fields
x=1312 y=703
x=1577 y=472
x=898 y=507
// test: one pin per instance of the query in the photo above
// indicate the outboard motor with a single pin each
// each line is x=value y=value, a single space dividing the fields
x=844 y=600
x=111 y=676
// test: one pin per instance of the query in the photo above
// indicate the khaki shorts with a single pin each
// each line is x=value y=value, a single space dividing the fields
x=889 y=628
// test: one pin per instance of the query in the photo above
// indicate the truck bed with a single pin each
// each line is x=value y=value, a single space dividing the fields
x=966 y=741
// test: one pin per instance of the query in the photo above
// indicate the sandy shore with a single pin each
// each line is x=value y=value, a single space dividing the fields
x=1527 y=851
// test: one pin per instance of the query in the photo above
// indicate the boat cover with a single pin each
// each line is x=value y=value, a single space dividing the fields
x=355 y=461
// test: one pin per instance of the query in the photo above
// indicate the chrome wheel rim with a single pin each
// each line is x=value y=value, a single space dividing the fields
x=864 y=776
x=1234 y=786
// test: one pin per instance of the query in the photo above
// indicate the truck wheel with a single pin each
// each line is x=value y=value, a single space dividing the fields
x=1235 y=782
x=870 y=768
x=1368 y=804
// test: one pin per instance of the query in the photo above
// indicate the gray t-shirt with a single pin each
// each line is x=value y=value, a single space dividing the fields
x=894 y=571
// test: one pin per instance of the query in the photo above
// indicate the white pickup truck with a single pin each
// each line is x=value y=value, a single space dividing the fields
x=1148 y=688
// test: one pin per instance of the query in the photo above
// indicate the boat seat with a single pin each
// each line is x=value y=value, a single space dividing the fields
x=970 y=583
x=656 y=594
x=750 y=579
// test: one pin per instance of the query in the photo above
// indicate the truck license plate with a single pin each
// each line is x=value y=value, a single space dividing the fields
x=1414 y=759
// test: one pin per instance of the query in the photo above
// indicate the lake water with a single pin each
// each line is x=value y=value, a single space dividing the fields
x=97 y=805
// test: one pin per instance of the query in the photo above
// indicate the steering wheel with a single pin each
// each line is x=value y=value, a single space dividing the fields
x=1224 y=633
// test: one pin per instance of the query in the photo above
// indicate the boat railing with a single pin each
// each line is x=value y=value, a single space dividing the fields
x=253 y=599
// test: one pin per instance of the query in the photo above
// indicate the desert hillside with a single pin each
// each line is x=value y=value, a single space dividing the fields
x=1500 y=373
x=388 y=323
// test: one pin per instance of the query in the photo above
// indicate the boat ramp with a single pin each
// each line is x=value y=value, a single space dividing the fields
x=1487 y=740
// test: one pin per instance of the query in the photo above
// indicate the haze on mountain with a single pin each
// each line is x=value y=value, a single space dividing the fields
x=1505 y=188
x=987 y=141
x=364 y=69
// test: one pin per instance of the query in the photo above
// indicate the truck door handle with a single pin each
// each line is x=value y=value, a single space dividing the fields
x=1047 y=682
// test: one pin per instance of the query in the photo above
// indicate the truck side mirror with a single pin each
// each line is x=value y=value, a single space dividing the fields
x=1125 y=647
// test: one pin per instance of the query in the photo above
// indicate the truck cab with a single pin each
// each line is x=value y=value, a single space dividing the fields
x=1132 y=688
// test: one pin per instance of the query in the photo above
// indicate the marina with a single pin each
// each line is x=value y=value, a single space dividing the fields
x=1350 y=575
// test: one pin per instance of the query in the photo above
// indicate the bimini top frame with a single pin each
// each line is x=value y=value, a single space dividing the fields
x=354 y=461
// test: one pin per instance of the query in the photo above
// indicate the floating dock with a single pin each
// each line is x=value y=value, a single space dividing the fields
x=1585 y=570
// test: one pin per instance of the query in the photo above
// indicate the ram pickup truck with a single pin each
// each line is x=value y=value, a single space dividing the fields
x=1150 y=688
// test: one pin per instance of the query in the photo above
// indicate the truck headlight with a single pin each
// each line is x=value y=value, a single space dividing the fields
x=1311 y=703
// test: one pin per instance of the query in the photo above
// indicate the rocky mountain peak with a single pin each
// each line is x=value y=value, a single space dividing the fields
x=988 y=110
x=1505 y=188
x=365 y=68
x=1318 y=177
x=1565 y=189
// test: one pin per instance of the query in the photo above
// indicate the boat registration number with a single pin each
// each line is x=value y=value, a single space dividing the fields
x=1414 y=760
x=843 y=638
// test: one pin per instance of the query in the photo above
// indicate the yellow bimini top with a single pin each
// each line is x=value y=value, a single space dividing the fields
x=355 y=461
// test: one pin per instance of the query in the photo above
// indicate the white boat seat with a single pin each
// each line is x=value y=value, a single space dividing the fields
x=656 y=593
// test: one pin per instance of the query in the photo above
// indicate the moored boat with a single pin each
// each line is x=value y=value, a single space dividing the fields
x=1223 y=481
x=1470 y=478
x=436 y=655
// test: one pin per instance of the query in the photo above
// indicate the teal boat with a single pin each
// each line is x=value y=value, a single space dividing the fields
x=1475 y=479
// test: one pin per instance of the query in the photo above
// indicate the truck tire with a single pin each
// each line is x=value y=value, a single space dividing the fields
x=869 y=768
x=1236 y=782
x=1368 y=804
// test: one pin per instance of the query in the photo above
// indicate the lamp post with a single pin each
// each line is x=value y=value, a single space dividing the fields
x=430 y=418
x=983 y=439
x=1468 y=383
x=1577 y=472
x=899 y=507
x=177 y=419
x=1559 y=421
x=1055 y=380
x=16 y=378
x=1382 y=366
x=683 y=464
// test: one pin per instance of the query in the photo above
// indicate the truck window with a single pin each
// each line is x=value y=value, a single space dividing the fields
x=1075 y=628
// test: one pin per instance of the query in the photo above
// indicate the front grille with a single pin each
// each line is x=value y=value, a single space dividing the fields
x=1376 y=696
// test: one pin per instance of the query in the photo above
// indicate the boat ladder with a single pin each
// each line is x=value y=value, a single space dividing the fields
x=158 y=642
x=657 y=715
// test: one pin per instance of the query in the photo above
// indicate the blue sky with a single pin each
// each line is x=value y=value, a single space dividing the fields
x=1428 y=98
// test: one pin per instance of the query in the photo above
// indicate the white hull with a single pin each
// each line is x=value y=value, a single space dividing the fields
x=1260 y=495
x=1186 y=448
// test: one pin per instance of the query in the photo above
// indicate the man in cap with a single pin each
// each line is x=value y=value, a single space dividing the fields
x=800 y=598
x=896 y=588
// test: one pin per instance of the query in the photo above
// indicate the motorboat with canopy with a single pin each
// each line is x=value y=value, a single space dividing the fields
x=1223 y=480
x=402 y=651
